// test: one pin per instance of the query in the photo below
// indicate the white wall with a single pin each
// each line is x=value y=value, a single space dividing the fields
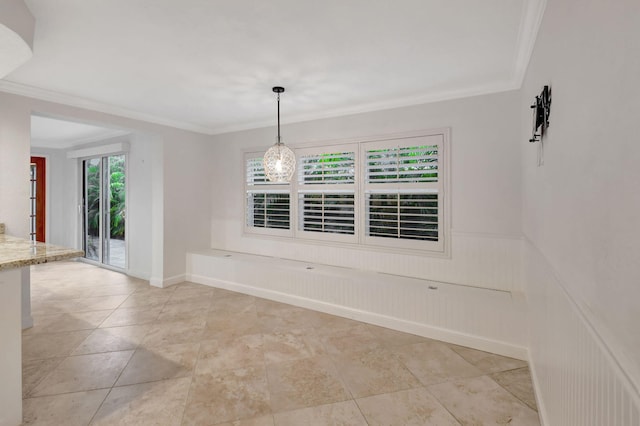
x=485 y=190
x=581 y=213
x=187 y=201
x=61 y=214
x=65 y=186
x=15 y=119
x=170 y=175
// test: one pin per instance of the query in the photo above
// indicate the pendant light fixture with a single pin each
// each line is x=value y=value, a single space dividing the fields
x=279 y=161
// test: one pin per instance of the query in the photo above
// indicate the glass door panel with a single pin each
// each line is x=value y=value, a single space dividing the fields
x=92 y=172
x=114 y=221
x=104 y=207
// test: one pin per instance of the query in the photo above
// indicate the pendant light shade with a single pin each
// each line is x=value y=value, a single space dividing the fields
x=279 y=161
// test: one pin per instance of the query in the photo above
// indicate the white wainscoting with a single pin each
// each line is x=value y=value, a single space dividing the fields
x=477 y=259
x=484 y=319
x=577 y=380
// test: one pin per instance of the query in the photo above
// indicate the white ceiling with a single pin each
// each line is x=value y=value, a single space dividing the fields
x=61 y=134
x=209 y=65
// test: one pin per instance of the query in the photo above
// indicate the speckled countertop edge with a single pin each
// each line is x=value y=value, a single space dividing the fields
x=19 y=252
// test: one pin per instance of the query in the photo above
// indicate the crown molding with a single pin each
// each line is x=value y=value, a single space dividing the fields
x=46 y=95
x=375 y=106
x=532 y=14
x=76 y=101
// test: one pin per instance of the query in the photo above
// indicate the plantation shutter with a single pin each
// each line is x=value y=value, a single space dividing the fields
x=403 y=192
x=326 y=193
x=267 y=204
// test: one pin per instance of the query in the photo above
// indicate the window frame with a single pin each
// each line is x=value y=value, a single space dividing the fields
x=265 y=188
x=326 y=188
x=403 y=188
x=441 y=248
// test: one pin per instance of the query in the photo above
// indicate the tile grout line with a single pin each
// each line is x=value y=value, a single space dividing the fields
x=442 y=405
x=120 y=374
x=193 y=373
x=514 y=395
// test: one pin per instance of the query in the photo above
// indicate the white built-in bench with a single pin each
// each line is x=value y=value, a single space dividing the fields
x=485 y=319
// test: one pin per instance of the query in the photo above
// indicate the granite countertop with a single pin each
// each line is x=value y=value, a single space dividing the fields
x=18 y=252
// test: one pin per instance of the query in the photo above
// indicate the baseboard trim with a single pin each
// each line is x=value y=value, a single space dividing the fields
x=138 y=274
x=537 y=391
x=420 y=329
x=167 y=282
x=27 y=322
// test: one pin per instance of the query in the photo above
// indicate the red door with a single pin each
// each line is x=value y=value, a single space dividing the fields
x=38 y=198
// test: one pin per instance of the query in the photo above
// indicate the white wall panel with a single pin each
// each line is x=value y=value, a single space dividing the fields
x=489 y=320
x=477 y=260
x=578 y=381
x=581 y=210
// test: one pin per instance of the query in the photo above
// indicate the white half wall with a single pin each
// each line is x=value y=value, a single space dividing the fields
x=484 y=319
x=581 y=211
x=578 y=380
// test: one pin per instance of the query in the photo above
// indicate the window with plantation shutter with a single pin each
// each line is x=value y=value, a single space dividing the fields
x=385 y=193
x=403 y=192
x=326 y=193
x=267 y=204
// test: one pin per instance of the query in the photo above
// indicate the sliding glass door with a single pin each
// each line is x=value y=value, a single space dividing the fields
x=104 y=207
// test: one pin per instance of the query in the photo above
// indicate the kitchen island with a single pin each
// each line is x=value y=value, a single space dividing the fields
x=15 y=254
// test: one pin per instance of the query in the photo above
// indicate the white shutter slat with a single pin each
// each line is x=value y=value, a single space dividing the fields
x=255 y=175
x=268 y=210
x=326 y=186
x=411 y=216
x=327 y=212
x=404 y=164
x=402 y=190
x=327 y=168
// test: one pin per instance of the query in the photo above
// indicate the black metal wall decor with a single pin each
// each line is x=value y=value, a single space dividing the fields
x=541 y=111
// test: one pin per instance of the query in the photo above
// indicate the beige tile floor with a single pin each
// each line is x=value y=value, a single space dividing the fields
x=107 y=349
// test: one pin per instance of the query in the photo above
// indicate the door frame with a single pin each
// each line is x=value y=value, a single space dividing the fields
x=81 y=213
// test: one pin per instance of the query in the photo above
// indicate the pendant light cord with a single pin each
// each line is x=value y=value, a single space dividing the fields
x=279 y=119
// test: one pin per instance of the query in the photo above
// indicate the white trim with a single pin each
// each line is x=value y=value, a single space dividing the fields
x=127 y=204
x=142 y=275
x=530 y=21
x=432 y=332
x=537 y=392
x=408 y=101
x=167 y=282
x=100 y=151
x=620 y=363
x=76 y=101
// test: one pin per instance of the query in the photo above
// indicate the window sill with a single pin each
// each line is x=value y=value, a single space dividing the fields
x=444 y=254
